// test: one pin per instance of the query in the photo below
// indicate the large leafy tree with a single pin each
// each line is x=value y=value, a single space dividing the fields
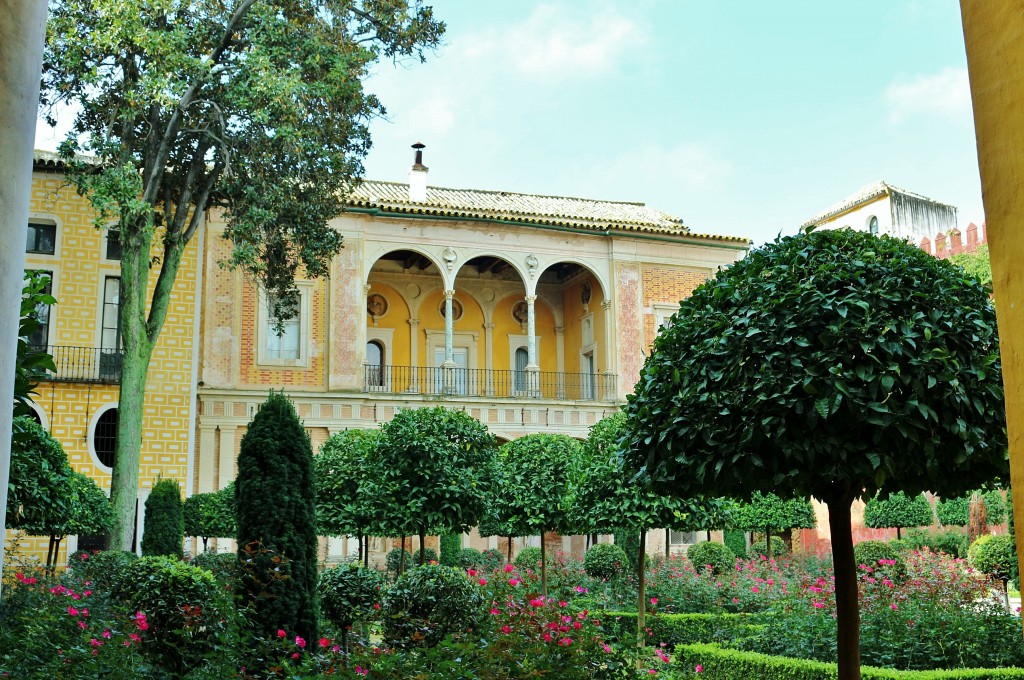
x=211 y=515
x=275 y=506
x=342 y=472
x=769 y=513
x=432 y=473
x=536 y=470
x=976 y=263
x=898 y=511
x=833 y=364
x=256 y=107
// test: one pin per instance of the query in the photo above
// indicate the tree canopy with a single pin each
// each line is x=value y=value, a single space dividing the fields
x=211 y=515
x=254 y=107
x=898 y=511
x=976 y=263
x=342 y=471
x=829 y=364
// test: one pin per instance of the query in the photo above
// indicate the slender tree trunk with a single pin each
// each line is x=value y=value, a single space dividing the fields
x=709 y=535
x=668 y=544
x=359 y=546
x=51 y=554
x=205 y=539
x=641 y=609
x=366 y=551
x=898 y=535
x=509 y=549
x=844 y=566
x=543 y=568
x=768 y=543
x=22 y=29
x=423 y=547
x=401 y=557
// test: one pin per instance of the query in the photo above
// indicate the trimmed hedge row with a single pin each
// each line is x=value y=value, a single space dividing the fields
x=730 y=664
x=678 y=629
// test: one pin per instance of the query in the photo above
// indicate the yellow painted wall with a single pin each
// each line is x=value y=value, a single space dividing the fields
x=574 y=312
x=397 y=318
x=471 y=321
x=505 y=325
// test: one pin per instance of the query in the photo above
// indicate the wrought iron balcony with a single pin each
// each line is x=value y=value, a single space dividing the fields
x=84 y=364
x=479 y=382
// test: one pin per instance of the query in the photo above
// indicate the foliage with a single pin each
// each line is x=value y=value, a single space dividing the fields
x=350 y=593
x=528 y=558
x=223 y=566
x=341 y=470
x=182 y=604
x=880 y=558
x=451 y=548
x=956 y=511
x=629 y=541
x=760 y=547
x=103 y=569
x=164 y=524
x=951 y=542
x=211 y=515
x=427 y=603
x=393 y=560
x=995 y=555
x=433 y=472
x=715 y=556
x=536 y=471
x=832 y=364
x=277 y=519
x=256 y=107
x=995 y=506
x=898 y=511
x=769 y=512
x=605 y=561
x=31 y=363
x=976 y=263
x=492 y=558
x=470 y=558
x=737 y=542
x=40 y=494
x=684 y=629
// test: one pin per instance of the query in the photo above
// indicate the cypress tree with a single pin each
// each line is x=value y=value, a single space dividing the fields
x=164 y=524
x=276 y=513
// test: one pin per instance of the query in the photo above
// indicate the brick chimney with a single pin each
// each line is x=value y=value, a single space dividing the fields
x=418 y=177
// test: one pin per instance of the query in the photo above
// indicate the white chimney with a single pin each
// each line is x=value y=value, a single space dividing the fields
x=418 y=177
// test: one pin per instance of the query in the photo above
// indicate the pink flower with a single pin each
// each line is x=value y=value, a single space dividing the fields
x=508 y=568
x=537 y=602
x=471 y=572
x=95 y=643
x=281 y=633
x=299 y=641
x=295 y=655
x=893 y=606
x=755 y=589
x=72 y=611
x=654 y=600
x=506 y=629
x=495 y=611
x=324 y=642
x=106 y=633
x=565 y=642
x=606 y=648
x=362 y=671
x=82 y=624
x=698 y=669
x=134 y=637
x=563 y=603
x=513 y=582
x=482 y=581
x=547 y=637
x=817 y=604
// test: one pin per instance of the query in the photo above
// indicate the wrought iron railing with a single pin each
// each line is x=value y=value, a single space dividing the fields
x=84 y=364
x=479 y=382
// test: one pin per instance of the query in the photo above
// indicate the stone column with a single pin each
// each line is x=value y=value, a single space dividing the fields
x=207 y=447
x=448 y=367
x=228 y=455
x=489 y=361
x=560 y=355
x=607 y=388
x=414 y=357
x=532 y=364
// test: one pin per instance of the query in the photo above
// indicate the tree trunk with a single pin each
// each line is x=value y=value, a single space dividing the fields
x=401 y=557
x=22 y=29
x=205 y=539
x=668 y=544
x=509 y=560
x=359 y=546
x=768 y=543
x=641 y=610
x=899 y=536
x=366 y=551
x=845 y=568
x=543 y=568
x=423 y=546
x=51 y=554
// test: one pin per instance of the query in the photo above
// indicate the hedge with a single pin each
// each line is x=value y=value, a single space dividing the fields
x=678 y=629
x=730 y=664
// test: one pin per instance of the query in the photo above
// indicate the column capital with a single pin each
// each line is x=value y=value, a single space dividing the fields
x=606 y=305
x=414 y=322
x=489 y=326
x=530 y=299
x=449 y=294
x=559 y=330
x=366 y=288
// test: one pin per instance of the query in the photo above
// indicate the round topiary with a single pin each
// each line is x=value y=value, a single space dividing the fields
x=759 y=547
x=223 y=566
x=996 y=556
x=736 y=542
x=528 y=558
x=492 y=558
x=884 y=560
x=104 y=570
x=393 y=561
x=716 y=556
x=427 y=603
x=605 y=561
x=348 y=593
x=470 y=558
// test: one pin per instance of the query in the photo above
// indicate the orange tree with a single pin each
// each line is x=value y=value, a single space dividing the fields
x=833 y=364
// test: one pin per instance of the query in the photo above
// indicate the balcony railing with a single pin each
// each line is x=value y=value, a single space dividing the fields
x=478 y=382
x=84 y=364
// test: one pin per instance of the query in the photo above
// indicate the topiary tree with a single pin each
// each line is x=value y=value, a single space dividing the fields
x=276 y=514
x=528 y=558
x=211 y=515
x=470 y=558
x=761 y=546
x=342 y=470
x=433 y=473
x=348 y=594
x=768 y=513
x=997 y=557
x=884 y=559
x=898 y=511
x=451 y=547
x=535 y=480
x=956 y=511
x=832 y=364
x=717 y=556
x=427 y=603
x=605 y=561
x=164 y=522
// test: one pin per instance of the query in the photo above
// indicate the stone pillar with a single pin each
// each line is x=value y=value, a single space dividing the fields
x=607 y=388
x=228 y=455
x=560 y=358
x=449 y=323
x=22 y=28
x=532 y=364
x=207 y=451
x=414 y=357
x=489 y=361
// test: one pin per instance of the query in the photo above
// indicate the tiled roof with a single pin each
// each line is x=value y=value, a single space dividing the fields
x=507 y=206
x=865 y=194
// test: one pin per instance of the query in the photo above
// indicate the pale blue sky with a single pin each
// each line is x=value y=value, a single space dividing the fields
x=741 y=117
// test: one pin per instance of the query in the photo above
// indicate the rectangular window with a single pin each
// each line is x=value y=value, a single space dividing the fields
x=284 y=343
x=683 y=537
x=110 y=330
x=282 y=338
x=40 y=338
x=113 y=245
x=42 y=238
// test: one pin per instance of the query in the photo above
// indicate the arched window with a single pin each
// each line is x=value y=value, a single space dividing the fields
x=375 y=363
x=519 y=377
x=873 y=225
x=104 y=437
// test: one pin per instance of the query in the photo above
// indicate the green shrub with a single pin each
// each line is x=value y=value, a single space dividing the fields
x=492 y=558
x=182 y=605
x=528 y=558
x=427 y=603
x=883 y=558
x=951 y=541
x=710 y=554
x=223 y=566
x=736 y=541
x=605 y=561
x=470 y=558
x=164 y=524
x=348 y=594
x=759 y=547
x=103 y=569
x=679 y=629
x=629 y=541
x=996 y=556
x=429 y=555
x=393 y=561
x=451 y=546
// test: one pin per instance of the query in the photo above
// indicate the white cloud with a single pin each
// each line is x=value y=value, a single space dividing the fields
x=555 y=41
x=947 y=94
x=687 y=166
